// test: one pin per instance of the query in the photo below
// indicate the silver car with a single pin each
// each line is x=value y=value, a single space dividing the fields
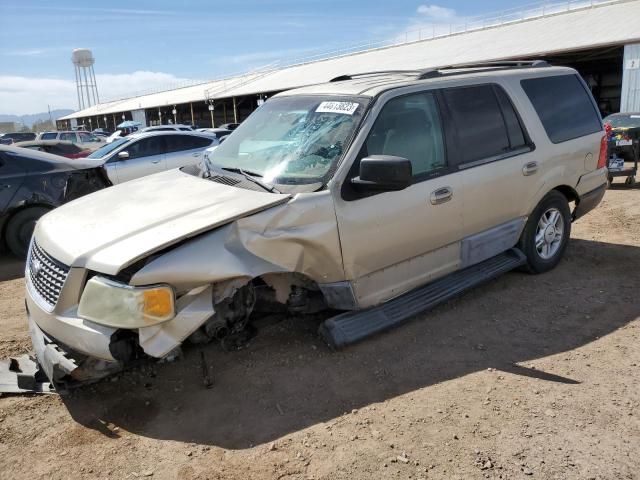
x=376 y=195
x=141 y=154
x=84 y=139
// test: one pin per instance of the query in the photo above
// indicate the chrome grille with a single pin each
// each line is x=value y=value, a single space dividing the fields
x=47 y=275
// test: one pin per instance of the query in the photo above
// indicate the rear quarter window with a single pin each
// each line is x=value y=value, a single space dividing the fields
x=49 y=136
x=564 y=106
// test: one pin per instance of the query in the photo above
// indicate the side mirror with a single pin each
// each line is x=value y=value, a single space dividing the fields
x=384 y=173
x=123 y=155
x=223 y=139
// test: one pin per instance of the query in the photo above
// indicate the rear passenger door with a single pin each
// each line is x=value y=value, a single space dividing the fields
x=499 y=165
x=183 y=150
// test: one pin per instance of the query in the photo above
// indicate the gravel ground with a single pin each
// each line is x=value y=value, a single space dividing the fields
x=525 y=377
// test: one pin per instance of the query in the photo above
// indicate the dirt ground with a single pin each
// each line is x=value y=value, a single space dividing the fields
x=526 y=377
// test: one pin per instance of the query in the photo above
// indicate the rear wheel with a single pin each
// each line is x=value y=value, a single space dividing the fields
x=20 y=228
x=546 y=234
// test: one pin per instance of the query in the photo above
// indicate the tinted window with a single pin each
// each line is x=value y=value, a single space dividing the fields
x=49 y=136
x=146 y=147
x=480 y=126
x=564 y=106
x=66 y=148
x=514 y=128
x=177 y=143
x=70 y=137
x=410 y=127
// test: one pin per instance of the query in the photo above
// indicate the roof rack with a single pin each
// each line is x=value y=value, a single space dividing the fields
x=485 y=66
x=448 y=70
x=351 y=76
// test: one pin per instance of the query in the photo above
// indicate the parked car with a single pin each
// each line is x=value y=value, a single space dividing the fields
x=144 y=153
x=167 y=128
x=32 y=183
x=56 y=147
x=86 y=139
x=229 y=126
x=377 y=195
x=10 y=138
x=219 y=133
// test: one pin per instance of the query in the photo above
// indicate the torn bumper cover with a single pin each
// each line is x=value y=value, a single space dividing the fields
x=21 y=375
x=66 y=368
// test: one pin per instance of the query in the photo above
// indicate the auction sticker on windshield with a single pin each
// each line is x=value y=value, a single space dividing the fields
x=346 y=108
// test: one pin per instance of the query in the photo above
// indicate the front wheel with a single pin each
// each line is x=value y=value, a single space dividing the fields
x=546 y=234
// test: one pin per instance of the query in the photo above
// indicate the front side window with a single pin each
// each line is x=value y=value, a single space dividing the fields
x=179 y=143
x=146 y=147
x=49 y=136
x=109 y=147
x=479 y=123
x=564 y=106
x=293 y=140
x=410 y=127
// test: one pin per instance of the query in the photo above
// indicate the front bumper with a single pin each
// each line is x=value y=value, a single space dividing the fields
x=56 y=332
x=66 y=368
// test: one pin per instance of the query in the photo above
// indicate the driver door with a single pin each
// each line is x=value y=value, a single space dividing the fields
x=145 y=156
x=394 y=241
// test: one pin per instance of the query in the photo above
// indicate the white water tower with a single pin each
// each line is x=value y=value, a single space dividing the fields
x=83 y=61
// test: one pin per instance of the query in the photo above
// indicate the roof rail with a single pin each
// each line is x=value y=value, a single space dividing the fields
x=485 y=66
x=351 y=76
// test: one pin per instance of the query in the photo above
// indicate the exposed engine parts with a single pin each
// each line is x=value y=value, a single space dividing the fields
x=230 y=318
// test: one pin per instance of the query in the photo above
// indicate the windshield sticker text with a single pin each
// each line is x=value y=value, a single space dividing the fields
x=346 y=108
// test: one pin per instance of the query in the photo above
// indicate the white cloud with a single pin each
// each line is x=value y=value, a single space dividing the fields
x=21 y=95
x=436 y=12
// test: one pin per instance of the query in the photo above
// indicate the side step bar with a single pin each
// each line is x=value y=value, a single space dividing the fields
x=351 y=327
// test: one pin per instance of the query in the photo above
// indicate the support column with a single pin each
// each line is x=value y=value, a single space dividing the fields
x=224 y=111
x=630 y=98
x=235 y=111
x=193 y=122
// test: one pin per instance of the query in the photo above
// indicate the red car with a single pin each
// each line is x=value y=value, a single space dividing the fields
x=56 y=147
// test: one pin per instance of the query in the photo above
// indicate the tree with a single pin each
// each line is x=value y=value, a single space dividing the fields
x=42 y=126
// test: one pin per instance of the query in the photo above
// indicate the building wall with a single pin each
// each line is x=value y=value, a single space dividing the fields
x=630 y=101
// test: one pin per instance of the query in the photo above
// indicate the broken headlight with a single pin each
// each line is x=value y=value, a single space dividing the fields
x=122 y=306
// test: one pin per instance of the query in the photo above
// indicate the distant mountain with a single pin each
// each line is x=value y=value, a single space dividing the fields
x=29 y=120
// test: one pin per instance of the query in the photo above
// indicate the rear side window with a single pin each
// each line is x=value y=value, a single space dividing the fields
x=49 y=136
x=177 y=143
x=564 y=106
x=486 y=124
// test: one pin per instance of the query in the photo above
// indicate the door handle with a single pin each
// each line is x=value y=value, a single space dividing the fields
x=197 y=154
x=530 y=168
x=441 y=195
x=155 y=161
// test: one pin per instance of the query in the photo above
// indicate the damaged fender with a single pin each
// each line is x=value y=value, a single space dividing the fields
x=300 y=237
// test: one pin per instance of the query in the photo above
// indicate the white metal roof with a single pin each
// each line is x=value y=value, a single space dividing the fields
x=592 y=25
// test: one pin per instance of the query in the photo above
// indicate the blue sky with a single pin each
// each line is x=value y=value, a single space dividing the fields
x=143 y=44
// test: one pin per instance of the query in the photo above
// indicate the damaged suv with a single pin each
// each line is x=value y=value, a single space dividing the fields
x=373 y=196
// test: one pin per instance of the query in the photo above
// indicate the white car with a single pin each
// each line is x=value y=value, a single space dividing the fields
x=85 y=139
x=141 y=154
x=167 y=128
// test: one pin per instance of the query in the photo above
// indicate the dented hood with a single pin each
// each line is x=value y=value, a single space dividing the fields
x=111 y=229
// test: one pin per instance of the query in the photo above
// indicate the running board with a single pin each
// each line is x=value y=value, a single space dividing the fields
x=351 y=327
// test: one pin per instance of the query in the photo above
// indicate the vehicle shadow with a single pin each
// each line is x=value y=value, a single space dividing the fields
x=287 y=380
x=11 y=267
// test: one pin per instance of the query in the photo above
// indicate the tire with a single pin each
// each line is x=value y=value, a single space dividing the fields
x=20 y=228
x=552 y=239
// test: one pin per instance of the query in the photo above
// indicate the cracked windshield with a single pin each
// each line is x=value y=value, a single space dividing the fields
x=291 y=140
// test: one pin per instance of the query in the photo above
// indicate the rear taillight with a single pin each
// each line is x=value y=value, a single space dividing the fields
x=602 y=159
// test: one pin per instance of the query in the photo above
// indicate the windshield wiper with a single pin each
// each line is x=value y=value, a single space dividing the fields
x=251 y=177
